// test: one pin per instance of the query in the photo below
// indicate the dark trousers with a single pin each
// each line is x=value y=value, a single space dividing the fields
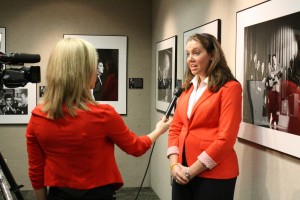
x=99 y=193
x=204 y=189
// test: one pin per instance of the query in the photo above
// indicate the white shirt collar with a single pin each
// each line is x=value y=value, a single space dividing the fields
x=194 y=81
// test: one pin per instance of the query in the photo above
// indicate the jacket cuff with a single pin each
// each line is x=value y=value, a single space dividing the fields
x=206 y=160
x=172 y=150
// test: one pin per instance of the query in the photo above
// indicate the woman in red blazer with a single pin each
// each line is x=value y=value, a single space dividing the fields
x=71 y=138
x=205 y=125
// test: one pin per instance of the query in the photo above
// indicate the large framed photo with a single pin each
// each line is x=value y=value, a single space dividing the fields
x=213 y=28
x=166 y=51
x=16 y=104
x=268 y=67
x=110 y=86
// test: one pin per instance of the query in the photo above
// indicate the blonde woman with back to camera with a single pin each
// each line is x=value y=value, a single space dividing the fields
x=71 y=138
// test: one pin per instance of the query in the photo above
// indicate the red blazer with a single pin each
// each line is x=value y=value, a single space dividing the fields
x=213 y=128
x=78 y=152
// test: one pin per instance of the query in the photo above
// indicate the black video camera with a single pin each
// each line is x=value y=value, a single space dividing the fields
x=15 y=74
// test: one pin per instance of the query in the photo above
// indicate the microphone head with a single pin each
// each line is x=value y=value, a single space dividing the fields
x=178 y=91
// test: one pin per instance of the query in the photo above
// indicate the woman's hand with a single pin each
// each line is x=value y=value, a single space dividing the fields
x=179 y=173
x=163 y=125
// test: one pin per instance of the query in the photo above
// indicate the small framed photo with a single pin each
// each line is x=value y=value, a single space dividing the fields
x=166 y=52
x=16 y=104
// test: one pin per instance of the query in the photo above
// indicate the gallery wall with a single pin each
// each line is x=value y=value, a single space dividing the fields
x=264 y=173
x=35 y=26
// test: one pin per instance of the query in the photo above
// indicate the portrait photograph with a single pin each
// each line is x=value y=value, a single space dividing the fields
x=111 y=83
x=106 y=85
x=165 y=72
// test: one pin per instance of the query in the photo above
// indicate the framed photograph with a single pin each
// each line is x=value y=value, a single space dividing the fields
x=2 y=40
x=268 y=67
x=111 y=84
x=213 y=28
x=166 y=51
x=16 y=104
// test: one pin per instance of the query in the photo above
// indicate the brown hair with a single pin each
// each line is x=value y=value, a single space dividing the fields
x=218 y=71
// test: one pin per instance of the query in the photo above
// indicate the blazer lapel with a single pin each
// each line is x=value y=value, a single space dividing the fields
x=203 y=97
x=185 y=104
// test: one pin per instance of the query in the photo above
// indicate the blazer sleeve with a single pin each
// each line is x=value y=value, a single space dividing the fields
x=127 y=140
x=229 y=122
x=36 y=157
x=175 y=130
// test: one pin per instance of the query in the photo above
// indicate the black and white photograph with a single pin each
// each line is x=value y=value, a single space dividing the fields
x=165 y=71
x=111 y=85
x=106 y=86
x=16 y=104
x=271 y=71
x=42 y=90
x=165 y=75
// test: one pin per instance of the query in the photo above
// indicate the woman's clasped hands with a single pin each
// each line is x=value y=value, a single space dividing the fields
x=180 y=173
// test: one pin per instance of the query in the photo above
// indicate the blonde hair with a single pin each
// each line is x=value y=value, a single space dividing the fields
x=71 y=65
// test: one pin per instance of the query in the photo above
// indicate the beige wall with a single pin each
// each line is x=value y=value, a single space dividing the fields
x=34 y=26
x=264 y=173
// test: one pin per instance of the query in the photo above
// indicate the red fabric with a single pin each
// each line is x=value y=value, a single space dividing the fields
x=110 y=89
x=213 y=128
x=290 y=91
x=78 y=152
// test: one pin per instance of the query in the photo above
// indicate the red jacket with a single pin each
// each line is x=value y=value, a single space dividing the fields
x=213 y=128
x=78 y=152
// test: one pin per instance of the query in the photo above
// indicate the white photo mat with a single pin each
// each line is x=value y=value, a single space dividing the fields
x=274 y=139
x=30 y=88
x=2 y=40
x=112 y=42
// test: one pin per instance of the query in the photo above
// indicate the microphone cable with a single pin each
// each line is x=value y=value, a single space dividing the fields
x=176 y=93
x=140 y=188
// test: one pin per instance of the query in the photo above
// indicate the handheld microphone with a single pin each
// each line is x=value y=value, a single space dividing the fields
x=177 y=93
x=19 y=58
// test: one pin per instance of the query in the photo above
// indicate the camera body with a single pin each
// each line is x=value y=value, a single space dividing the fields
x=14 y=74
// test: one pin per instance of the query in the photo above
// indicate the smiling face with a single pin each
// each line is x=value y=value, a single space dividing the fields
x=198 y=59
